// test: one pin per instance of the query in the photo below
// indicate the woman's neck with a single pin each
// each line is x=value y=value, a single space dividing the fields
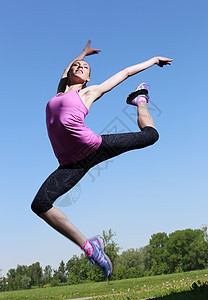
x=73 y=87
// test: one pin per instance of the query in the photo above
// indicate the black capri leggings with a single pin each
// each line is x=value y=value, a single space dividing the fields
x=66 y=177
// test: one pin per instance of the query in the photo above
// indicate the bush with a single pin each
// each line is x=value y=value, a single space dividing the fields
x=54 y=282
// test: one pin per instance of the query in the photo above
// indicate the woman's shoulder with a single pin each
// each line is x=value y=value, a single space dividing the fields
x=87 y=91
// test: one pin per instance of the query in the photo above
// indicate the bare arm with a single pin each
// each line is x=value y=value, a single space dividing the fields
x=87 y=51
x=95 y=92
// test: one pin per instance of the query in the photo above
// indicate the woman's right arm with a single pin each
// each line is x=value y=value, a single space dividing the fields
x=87 y=51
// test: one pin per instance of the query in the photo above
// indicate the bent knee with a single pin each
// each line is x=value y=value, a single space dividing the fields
x=35 y=207
x=155 y=135
x=39 y=206
x=152 y=134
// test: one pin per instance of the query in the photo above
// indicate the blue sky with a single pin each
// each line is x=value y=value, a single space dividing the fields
x=161 y=188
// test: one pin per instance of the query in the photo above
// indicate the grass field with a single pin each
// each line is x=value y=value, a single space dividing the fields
x=138 y=288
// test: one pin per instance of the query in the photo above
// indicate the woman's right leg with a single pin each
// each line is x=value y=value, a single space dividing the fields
x=59 y=221
x=58 y=183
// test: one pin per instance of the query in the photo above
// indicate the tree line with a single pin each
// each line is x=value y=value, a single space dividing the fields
x=180 y=251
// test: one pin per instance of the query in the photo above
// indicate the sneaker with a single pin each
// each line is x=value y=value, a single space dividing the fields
x=99 y=257
x=141 y=91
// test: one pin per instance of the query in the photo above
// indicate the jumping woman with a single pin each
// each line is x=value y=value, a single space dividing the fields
x=78 y=148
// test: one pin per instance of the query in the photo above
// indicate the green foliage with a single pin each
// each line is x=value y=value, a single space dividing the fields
x=128 y=265
x=54 y=282
x=35 y=272
x=60 y=274
x=187 y=249
x=146 y=259
x=204 y=228
x=47 y=273
x=26 y=282
x=171 y=286
x=182 y=250
x=73 y=267
x=158 y=243
x=111 y=247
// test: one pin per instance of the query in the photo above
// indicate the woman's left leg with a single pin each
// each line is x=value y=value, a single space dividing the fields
x=58 y=183
x=116 y=144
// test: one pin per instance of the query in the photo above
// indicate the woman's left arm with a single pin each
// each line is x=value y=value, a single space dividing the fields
x=95 y=92
x=87 y=51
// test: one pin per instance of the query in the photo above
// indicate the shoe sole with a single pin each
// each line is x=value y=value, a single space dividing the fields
x=139 y=91
x=135 y=94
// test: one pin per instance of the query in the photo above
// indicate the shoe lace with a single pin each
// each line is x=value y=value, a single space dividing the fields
x=99 y=259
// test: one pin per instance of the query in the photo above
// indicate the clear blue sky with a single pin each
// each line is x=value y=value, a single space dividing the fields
x=162 y=188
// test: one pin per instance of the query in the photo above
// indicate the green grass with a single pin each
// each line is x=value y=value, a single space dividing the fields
x=138 y=288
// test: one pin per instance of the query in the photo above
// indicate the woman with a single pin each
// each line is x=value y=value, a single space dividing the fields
x=78 y=148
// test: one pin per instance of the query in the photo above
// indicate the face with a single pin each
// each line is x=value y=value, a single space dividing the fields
x=79 y=72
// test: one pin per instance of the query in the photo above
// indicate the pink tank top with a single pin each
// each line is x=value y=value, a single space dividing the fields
x=70 y=138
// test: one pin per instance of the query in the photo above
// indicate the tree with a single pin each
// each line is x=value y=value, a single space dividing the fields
x=35 y=272
x=146 y=259
x=187 y=250
x=2 y=279
x=47 y=274
x=3 y=284
x=73 y=269
x=112 y=247
x=21 y=270
x=26 y=282
x=204 y=229
x=158 y=243
x=128 y=265
x=11 y=279
x=60 y=274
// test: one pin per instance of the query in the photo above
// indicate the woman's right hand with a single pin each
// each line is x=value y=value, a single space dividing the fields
x=89 y=51
x=162 y=61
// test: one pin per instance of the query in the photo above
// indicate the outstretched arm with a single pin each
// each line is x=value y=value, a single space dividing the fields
x=87 y=51
x=98 y=90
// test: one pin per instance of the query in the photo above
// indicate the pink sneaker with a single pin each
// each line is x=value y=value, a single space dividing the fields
x=99 y=257
x=141 y=91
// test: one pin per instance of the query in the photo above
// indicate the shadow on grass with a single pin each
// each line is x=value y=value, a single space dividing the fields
x=198 y=292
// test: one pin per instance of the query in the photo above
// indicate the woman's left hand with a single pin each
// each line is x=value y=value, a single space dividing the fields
x=162 y=61
x=89 y=51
